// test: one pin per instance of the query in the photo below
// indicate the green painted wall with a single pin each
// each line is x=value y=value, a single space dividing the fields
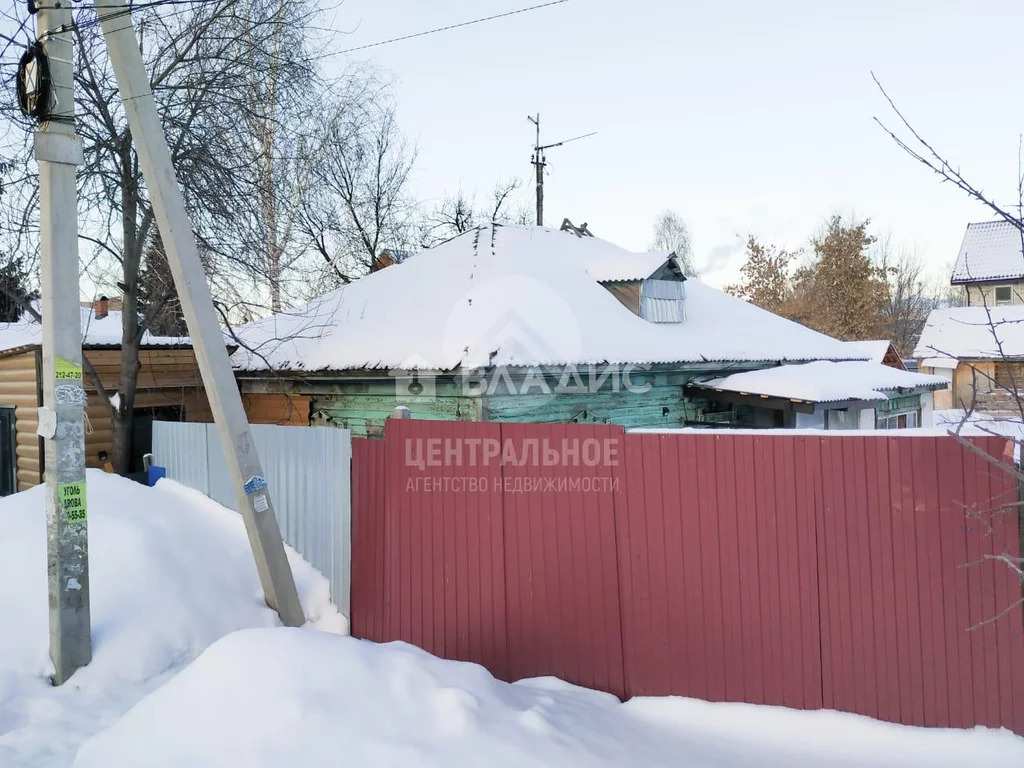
x=364 y=406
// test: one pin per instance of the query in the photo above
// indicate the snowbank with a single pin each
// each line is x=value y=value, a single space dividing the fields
x=171 y=573
x=268 y=698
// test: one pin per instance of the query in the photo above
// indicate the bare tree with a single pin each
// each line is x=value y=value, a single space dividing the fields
x=461 y=212
x=672 y=234
x=1012 y=386
x=908 y=296
x=357 y=203
x=224 y=74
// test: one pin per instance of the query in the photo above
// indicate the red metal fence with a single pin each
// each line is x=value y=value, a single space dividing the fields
x=853 y=572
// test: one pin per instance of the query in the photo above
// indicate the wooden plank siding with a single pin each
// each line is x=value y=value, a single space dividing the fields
x=18 y=388
x=167 y=377
x=283 y=409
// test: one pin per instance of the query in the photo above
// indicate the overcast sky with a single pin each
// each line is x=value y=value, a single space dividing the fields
x=745 y=117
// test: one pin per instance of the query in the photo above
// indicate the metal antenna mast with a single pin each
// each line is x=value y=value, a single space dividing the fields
x=539 y=160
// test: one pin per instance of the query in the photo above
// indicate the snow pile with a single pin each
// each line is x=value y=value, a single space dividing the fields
x=971 y=333
x=171 y=572
x=270 y=698
x=518 y=296
x=826 y=382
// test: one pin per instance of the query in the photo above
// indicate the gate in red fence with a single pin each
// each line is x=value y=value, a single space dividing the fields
x=854 y=572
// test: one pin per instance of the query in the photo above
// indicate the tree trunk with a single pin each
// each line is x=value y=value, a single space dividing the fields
x=131 y=334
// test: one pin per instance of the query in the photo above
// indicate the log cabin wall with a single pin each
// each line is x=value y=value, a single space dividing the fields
x=167 y=377
x=19 y=389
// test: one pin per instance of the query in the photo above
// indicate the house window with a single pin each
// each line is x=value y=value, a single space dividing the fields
x=897 y=421
x=1004 y=294
x=840 y=419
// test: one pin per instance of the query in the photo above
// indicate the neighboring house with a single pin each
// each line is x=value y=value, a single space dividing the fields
x=169 y=387
x=881 y=351
x=508 y=323
x=980 y=351
x=990 y=265
x=827 y=395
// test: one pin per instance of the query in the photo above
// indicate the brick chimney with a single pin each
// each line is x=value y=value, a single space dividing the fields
x=101 y=307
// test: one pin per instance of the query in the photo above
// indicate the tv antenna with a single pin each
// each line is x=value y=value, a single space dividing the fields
x=539 y=160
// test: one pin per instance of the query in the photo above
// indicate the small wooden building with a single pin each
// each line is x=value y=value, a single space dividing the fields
x=169 y=388
x=517 y=324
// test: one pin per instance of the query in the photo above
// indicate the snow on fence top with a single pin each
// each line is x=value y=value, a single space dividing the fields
x=991 y=250
x=517 y=296
x=971 y=333
x=96 y=332
x=826 y=382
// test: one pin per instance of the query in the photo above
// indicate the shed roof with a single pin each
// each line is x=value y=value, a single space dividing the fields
x=991 y=250
x=825 y=382
x=971 y=333
x=96 y=333
x=875 y=349
x=517 y=296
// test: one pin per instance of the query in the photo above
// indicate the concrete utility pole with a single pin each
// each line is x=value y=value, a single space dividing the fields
x=539 y=161
x=197 y=305
x=58 y=151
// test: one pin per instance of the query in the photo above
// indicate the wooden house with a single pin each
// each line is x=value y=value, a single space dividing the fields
x=990 y=265
x=169 y=387
x=508 y=323
x=980 y=351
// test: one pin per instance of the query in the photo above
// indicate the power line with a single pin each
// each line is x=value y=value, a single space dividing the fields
x=453 y=26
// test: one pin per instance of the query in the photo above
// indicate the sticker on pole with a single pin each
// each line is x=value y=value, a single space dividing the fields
x=73 y=501
x=260 y=503
x=66 y=370
x=253 y=484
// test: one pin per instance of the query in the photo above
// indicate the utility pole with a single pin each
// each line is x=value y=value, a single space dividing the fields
x=59 y=151
x=539 y=161
x=197 y=306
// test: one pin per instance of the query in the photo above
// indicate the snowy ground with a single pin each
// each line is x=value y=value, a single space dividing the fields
x=172 y=575
x=269 y=698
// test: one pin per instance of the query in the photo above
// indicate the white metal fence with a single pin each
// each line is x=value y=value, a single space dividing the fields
x=309 y=473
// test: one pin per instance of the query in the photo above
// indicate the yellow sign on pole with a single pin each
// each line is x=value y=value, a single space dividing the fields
x=65 y=369
x=73 y=500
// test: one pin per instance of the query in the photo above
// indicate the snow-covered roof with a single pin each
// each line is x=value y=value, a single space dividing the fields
x=991 y=250
x=875 y=349
x=516 y=296
x=96 y=332
x=971 y=333
x=618 y=267
x=825 y=382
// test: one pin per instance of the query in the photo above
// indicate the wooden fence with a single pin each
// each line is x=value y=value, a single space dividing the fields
x=853 y=572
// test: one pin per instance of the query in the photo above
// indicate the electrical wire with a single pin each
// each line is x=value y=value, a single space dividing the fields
x=451 y=26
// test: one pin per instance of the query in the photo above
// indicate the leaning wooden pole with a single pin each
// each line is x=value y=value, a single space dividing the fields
x=196 y=302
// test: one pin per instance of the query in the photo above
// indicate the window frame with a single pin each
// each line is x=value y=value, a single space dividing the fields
x=1008 y=299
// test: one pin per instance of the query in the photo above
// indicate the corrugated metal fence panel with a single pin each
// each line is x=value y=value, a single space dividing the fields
x=716 y=573
x=181 y=447
x=368 y=599
x=844 y=572
x=560 y=552
x=308 y=471
x=444 y=577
